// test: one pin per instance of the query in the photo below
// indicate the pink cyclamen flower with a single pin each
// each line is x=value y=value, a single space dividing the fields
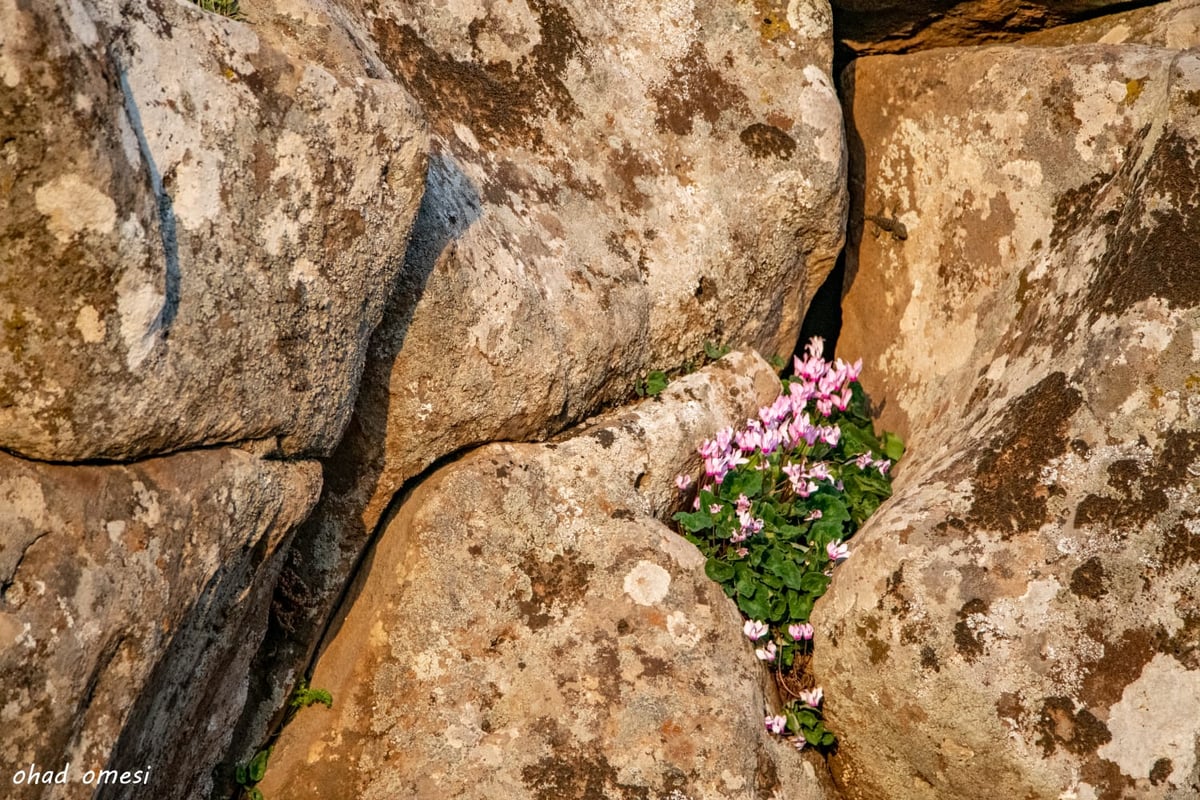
x=743 y=504
x=814 y=514
x=863 y=461
x=776 y=724
x=798 y=742
x=766 y=653
x=683 y=482
x=742 y=552
x=715 y=508
x=812 y=698
x=837 y=551
x=800 y=631
x=754 y=629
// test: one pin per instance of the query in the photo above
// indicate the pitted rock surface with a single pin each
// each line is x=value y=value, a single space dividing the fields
x=1023 y=614
x=220 y=209
x=874 y=27
x=105 y=571
x=612 y=185
x=528 y=629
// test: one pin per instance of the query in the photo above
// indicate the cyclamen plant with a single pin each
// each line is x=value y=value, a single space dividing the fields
x=778 y=500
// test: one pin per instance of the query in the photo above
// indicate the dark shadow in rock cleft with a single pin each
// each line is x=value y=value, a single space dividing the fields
x=313 y=589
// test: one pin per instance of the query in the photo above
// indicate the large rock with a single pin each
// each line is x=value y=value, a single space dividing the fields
x=612 y=185
x=126 y=594
x=528 y=629
x=200 y=223
x=871 y=27
x=1023 y=615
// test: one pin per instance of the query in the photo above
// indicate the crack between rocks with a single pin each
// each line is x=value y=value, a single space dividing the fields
x=357 y=574
x=266 y=448
x=844 y=54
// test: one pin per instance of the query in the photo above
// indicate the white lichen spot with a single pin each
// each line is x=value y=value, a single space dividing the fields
x=428 y=664
x=13 y=28
x=733 y=783
x=1117 y=35
x=138 y=305
x=647 y=583
x=809 y=20
x=89 y=325
x=682 y=631
x=466 y=136
x=81 y=24
x=74 y=206
x=197 y=196
x=148 y=512
x=1152 y=334
x=115 y=530
x=466 y=731
x=1158 y=716
x=304 y=272
x=1098 y=109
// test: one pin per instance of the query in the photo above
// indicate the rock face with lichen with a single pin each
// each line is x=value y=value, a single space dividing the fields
x=219 y=214
x=123 y=599
x=611 y=185
x=529 y=629
x=200 y=223
x=1023 y=614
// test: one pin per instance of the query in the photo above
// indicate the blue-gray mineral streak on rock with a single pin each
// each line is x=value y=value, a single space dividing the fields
x=529 y=630
x=200 y=223
x=1022 y=615
x=612 y=185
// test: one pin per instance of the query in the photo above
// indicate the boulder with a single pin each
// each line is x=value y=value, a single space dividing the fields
x=528 y=629
x=200 y=223
x=1023 y=286
x=611 y=186
x=128 y=597
x=874 y=27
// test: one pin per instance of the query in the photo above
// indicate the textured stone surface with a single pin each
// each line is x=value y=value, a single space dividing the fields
x=1023 y=614
x=106 y=570
x=528 y=629
x=613 y=184
x=200 y=222
x=895 y=26
x=1174 y=25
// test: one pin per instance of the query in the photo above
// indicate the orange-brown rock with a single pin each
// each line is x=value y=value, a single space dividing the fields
x=1022 y=614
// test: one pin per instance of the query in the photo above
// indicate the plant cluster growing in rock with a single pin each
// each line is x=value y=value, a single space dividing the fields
x=778 y=500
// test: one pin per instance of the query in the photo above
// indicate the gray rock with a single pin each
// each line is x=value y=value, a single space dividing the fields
x=1022 y=615
x=528 y=629
x=613 y=184
x=126 y=594
x=200 y=223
